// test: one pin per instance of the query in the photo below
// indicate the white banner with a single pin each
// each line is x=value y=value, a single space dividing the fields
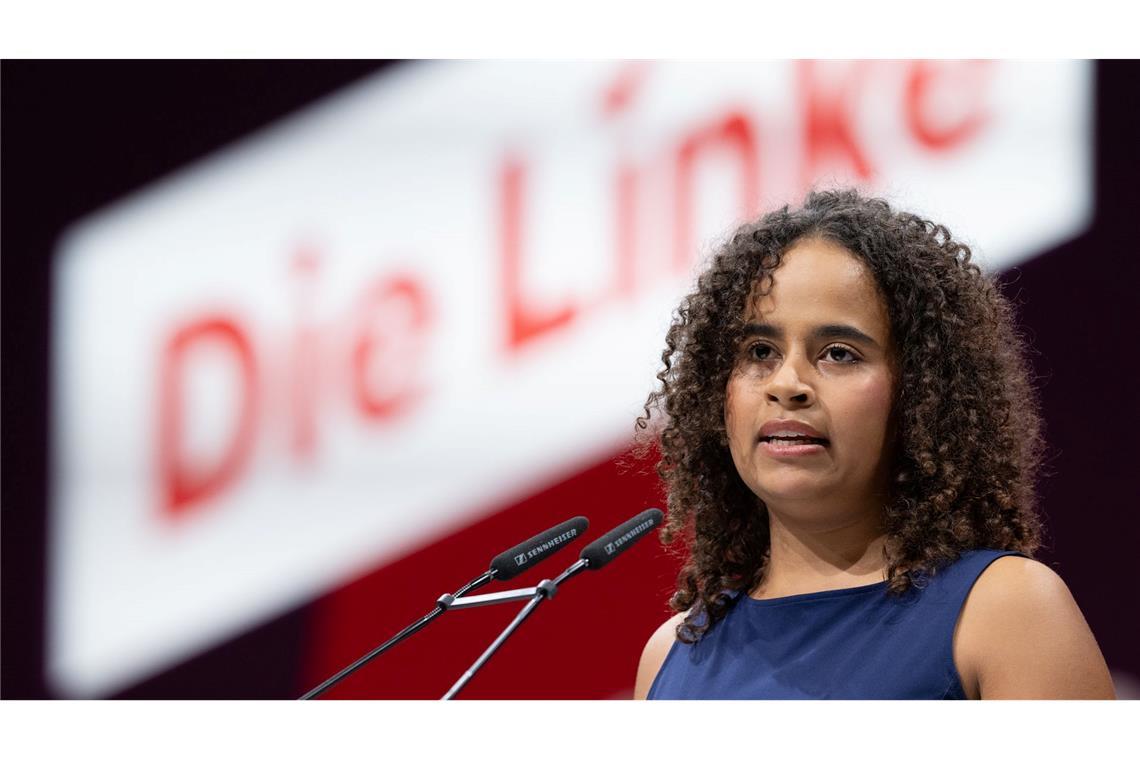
x=410 y=304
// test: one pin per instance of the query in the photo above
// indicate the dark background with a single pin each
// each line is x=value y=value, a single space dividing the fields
x=78 y=135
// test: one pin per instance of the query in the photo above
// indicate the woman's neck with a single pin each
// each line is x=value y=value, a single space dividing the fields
x=807 y=558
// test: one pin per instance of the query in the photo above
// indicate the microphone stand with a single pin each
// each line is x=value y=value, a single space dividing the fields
x=544 y=590
x=444 y=603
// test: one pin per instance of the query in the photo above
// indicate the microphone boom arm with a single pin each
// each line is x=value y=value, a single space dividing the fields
x=503 y=567
x=594 y=557
x=447 y=601
x=541 y=592
x=482 y=580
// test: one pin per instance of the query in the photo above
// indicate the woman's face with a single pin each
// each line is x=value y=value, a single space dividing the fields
x=815 y=370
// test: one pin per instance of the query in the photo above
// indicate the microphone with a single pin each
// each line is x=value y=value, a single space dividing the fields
x=520 y=558
x=594 y=557
x=503 y=567
x=607 y=548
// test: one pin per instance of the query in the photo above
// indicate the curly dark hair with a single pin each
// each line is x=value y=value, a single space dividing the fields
x=968 y=439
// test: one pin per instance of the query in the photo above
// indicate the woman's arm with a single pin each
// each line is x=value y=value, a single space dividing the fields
x=654 y=654
x=1022 y=636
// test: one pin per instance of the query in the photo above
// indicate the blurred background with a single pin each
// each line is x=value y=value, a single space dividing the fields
x=292 y=348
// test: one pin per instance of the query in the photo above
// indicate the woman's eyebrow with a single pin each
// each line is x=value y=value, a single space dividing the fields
x=822 y=332
x=843 y=332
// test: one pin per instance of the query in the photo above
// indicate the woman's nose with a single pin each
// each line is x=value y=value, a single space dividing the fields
x=787 y=387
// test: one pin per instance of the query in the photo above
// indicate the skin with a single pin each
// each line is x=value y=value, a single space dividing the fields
x=823 y=509
x=1020 y=633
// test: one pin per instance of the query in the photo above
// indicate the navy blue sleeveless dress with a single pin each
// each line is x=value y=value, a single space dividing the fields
x=852 y=643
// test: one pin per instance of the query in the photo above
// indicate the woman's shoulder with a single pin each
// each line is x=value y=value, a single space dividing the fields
x=654 y=654
x=1020 y=634
x=1014 y=586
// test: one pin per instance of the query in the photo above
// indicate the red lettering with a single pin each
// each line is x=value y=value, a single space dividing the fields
x=184 y=485
x=524 y=322
x=828 y=129
x=734 y=132
x=616 y=100
x=933 y=127
x=388 y=352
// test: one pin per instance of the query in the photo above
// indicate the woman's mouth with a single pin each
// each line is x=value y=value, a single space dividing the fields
x=788 y=438
x=792 y=446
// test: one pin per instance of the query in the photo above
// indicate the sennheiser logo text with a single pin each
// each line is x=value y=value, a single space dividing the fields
x=628 y=536
x=545 y=546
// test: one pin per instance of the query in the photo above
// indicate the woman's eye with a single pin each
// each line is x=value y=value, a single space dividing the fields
x=840 y=354
x=760 y=352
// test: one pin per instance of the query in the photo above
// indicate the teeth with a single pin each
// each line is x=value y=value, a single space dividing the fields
x=798 y=441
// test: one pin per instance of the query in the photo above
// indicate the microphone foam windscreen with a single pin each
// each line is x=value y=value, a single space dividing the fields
x=603 y=551
x=532 y=551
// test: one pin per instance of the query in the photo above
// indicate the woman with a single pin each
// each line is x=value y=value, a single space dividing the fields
x=850 y=449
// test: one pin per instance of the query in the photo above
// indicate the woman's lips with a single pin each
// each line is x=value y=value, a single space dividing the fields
x=788 y=438
x=789 y=428
x=791 y=450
